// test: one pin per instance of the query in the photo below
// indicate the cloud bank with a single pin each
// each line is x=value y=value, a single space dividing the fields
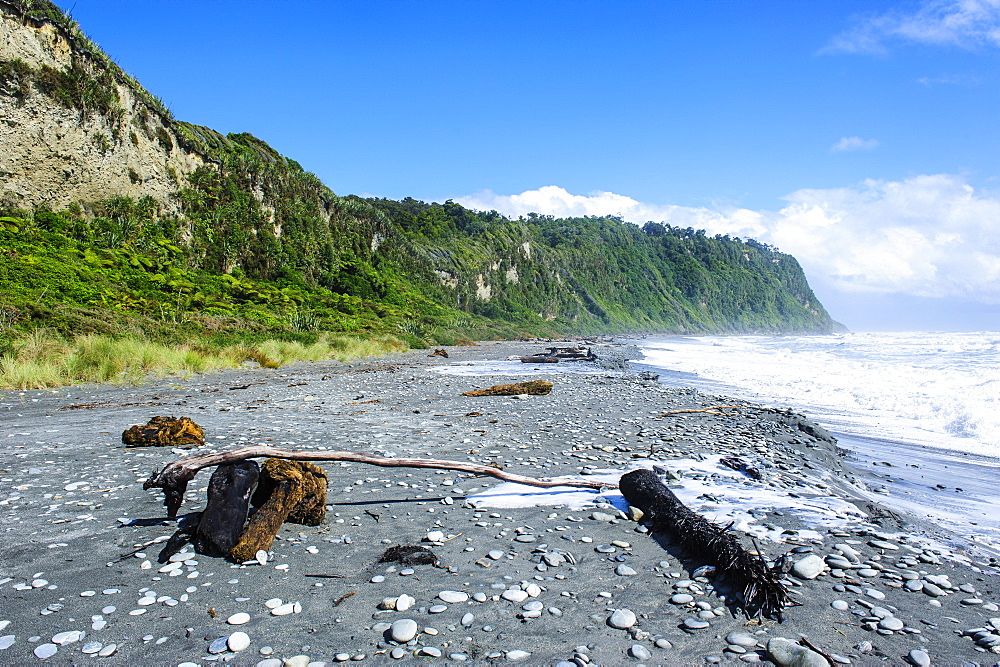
x=929 y=235
x=965 y=23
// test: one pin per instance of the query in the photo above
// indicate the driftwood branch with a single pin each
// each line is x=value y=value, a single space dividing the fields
x=761 y=593
x=174 y=477
x=712 y=410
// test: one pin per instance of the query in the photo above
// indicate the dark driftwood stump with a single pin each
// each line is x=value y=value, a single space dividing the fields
x=293 y=491
x=222 y=522
x=762 y=593
x=537 y=387
x=164 y=432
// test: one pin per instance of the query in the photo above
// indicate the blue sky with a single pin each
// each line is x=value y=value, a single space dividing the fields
x=862 y=137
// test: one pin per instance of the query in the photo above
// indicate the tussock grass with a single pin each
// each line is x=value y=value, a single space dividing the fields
x=42 y=359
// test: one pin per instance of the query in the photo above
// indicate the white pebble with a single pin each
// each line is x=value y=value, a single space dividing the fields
x=238 y=641
x=45 y=651
x=238 y=618
x=453 y=597
x=623 y=619
x=403 y=630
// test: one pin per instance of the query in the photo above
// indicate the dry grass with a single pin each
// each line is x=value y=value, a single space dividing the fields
x=42 y=360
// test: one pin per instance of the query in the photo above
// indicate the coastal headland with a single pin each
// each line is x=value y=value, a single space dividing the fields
x=534 y=575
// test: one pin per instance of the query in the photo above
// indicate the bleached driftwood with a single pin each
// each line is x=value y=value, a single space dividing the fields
x=174 y=477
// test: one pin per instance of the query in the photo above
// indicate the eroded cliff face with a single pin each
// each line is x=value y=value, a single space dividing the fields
x=53 y=151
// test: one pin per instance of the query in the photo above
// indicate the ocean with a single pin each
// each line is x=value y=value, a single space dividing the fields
x=921 y=410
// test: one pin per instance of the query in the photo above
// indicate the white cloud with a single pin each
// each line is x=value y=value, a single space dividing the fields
x=846 y=144
x=929 y=235
x=965 y=23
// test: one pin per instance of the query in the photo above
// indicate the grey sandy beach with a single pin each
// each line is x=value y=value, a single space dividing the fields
x=573 y=581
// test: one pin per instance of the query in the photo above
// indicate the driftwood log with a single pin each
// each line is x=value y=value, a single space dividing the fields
x=292 y=491
x=536 y=387
x=229 y=492
x=174 y=477
x=164 y=432
x=762 y=593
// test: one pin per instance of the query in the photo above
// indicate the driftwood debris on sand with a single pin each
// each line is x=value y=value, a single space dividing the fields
x=748 y=575
x=174 y=477
x=164 y=432
x=536 y=387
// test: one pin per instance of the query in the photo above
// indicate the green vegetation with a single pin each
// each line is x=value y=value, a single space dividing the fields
x=41 y=359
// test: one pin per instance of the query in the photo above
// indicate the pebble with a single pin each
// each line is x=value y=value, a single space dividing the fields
x=6 y=642
x=91 y=647
x=840 y=605
x=395 y=653
x=919 y=657
x=271 y=662
x=514 y=595
x=403 y=630
x=874 y=594
x=238 y=641
x=891 y=623
x=516 y=655
x=107 y=651
x=741 y=638
x=219 y=645
x=45 y=651
x=239 y=618
x=681 y=598
x=405 y=602
x=437 y=609
x=453 y=597
x=639 y=652
x=809 y=567
x=496 y=554
x=787 y=653
x=622 y=619
x=283 y=609
x=434 y=536
x=694 y=624
x=625 y=571
x=431 y=651
x=467 y=619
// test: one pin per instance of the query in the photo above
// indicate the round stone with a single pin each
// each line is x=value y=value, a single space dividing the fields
x=239 y=618
x=741 y=638
x=840 y=605
x=639 y=652
x=681 y=598
x=516 y=654
x=45 y=651
x=431 y=651
x=809 y=567
x=403 y=630
x=874 y=594
x=283 y=609
x=514 y=595
x=891 y=623
x=238 y=641
x=453 y=597
x=625 y=571
x=496 y=554
x=273 y=603
x=434 y=536
x=534 y=605
x=622 y=619
x=467 y=619
x=919 y=658
x=437 y=608
x=91 y=647
x=694 y=624
x=396 y=653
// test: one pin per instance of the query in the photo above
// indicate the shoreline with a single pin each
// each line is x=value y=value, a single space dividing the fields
x=405 y=405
